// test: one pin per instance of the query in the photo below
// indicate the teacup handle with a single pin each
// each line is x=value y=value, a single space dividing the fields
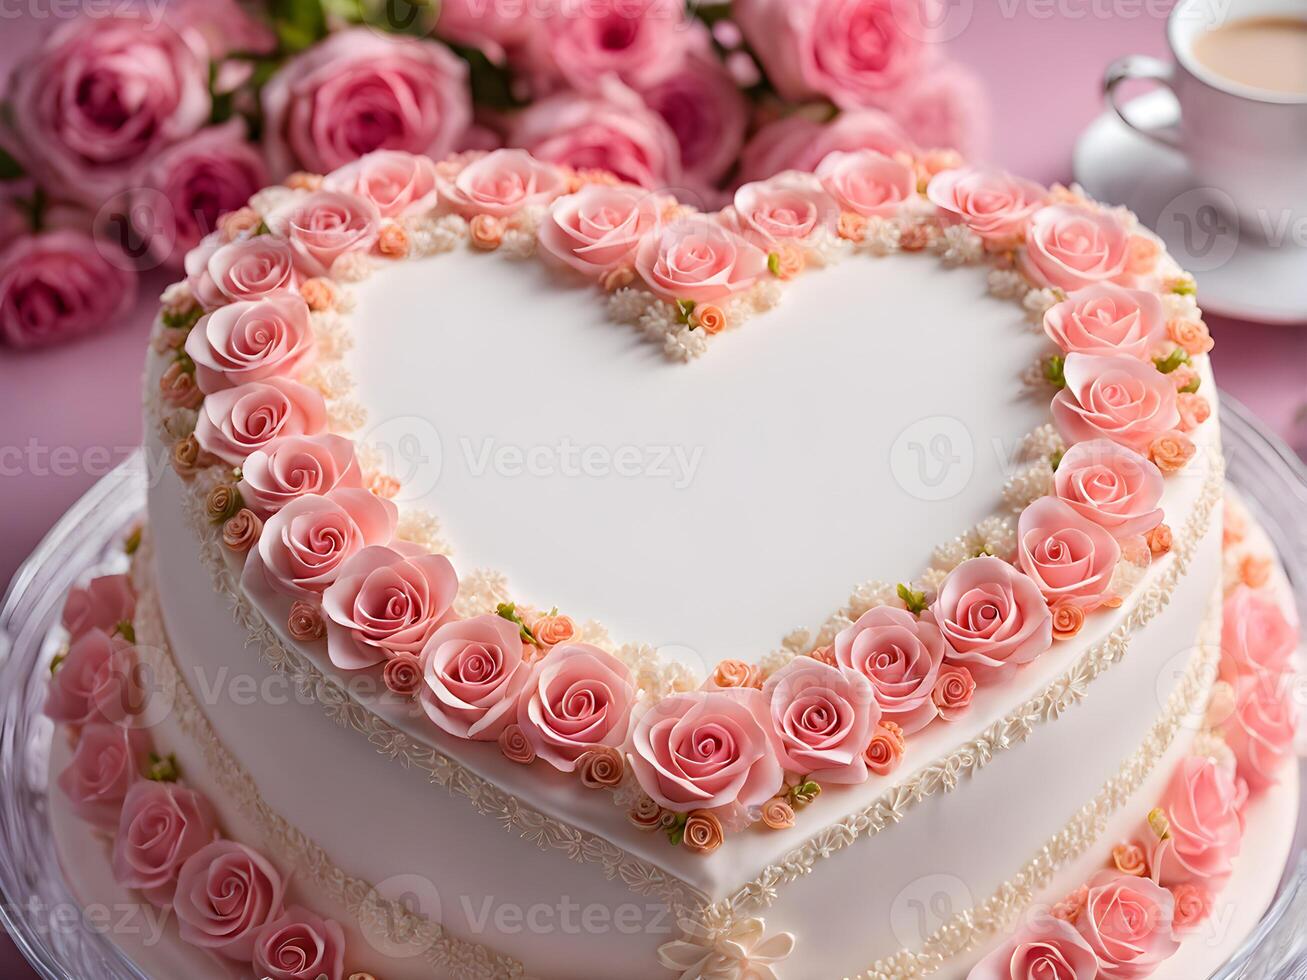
x=1139 y=66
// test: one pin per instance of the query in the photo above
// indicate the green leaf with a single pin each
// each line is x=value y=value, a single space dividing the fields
x=915 y=601
x=508 y=611
x=133 y=541
x=184 y=320
x=774 y=263
x=126 y=630
x=1055 y=459
x=10 y=169
x=57 y=660
x=1192 y=386
x=163 y=768
x=299 y=23
x=684 y=309
x=1172 y=360
x=804 y=793
x=676 y=832
x=1185 y=287
x=1055 y=371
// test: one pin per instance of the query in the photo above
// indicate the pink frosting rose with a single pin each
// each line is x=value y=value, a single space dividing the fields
x=161 y=825
x=796 y=142
x=226 y=893
x=247 y=269
x=1261 y=731
x=103 y=767
x=945 y=108
x=360 y=90
x=1127 y=923
x=59 y=285
x=400 y=184
x=76 y=693
x=1049 y=949
x=1119 y=398
x=901 y=655
x=1112 y=486
x=782 y=208
x=1070 y=559
x=1107 y=319
x=993 y=618
x=294 y=466
x=579 y=698
x=1257 y=639
x=474 y=674
x=252 y=341
x=324 y=225
x=385 y=603
x=867 y=182
x=304 y=545
x=1070 y=247
x=992 y=203
x=824 y=717
x=579 y=45
x=501 y=184
x=697 y=259
x=707 y=749
x=237 y=421
x=298 y=945
x=1204 y=808
x=599 y=227
x=105 y=602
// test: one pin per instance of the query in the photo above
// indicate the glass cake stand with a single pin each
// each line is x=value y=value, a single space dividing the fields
x=41 y=914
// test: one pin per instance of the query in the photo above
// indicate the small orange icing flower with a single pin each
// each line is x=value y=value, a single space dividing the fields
x=236 y=223
x=852 y=226
x=601 y=768
x=1071 y=907
x=710 y=317
x=384 y=485
x=178 y=388
x=393 y=241
x=1159 y=540
x=914 y=238
x=553 y=629
x=242 y=530
x=187 y=457
x=789 y=261
x=1192 y=335
x=616 y=278
x=319 y=293
x=301 y=180
x=885 y=752
x=1142 y=254
x=486 y=232
x=1234 y=526
x=1255 y=571
x=645 y=814
x=1068 y=619
x=402 y=674
x=1194 y=410
x=703 y=832
x=305 y=623
x=222 y=503
x=513 y=743
x=1171 y=451
x=736 y=673
x=777 y=814
x=1129 y=859
x=825 y=654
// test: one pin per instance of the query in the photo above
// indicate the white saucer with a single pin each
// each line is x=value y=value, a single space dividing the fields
x=1237 y=276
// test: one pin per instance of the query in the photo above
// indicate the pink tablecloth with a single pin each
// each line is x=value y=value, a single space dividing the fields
x=67 y=416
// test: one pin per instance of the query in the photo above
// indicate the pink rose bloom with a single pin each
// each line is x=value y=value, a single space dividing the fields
x=901 y=655
x=304 y=545
x=696 y=259
x=1127 y=923
x=993 y=618
x=400 y=184
x=1048 y=949
x=474 y=673
x=599 y=227
x=854 y=52
x=188 y=186
x=162 y=824
x=1069 y=247
x=992 y=203
x=493 y=27
x=105 y=602
x=295 y=466
x=579 y=698
x=501 y=184
x=226 y=894
x=60 y=285
x=1203 y=805
x=944 y=108
x=581 y=44
x=1112 y=486
x=1106 y=319
x=323 y=226
x=796 y=142
x=611 y=130
x=359 y=91
x=252 y=341
x=105 y=763
x=249 y=268
x=237 y=421
x=298 y=945
x=1122 y=399
x=102 y=96
x=783 y=208
x=1261 y=731
x=1069 y=558
x=867 y=183
x=707 y=749
x=824 y=717
x=1257 y=639
x=384 y=603
x=76 y=690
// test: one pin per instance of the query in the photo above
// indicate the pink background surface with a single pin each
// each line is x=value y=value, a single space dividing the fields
x=68 y=415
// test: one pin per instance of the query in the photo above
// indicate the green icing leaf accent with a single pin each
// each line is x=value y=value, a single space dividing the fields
x=915 y=601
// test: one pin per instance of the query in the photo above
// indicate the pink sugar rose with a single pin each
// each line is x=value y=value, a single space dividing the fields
x=1106 y=319
x=298 y=945
x=304 y=545
x=1069 y=247
x=581 y=44
x=1257 y=639
x=1070 y=559
x=161 y=825
x=993 y=618
x=501 y=184
x=797 y=142
x=783 y=208
x=1193 y=905
x=578 y=698
x=226 y=893
x=383 y=603
x=493 y=27
x=824 y=717
x=237 y=421
x=360 y=90
x=901 y=655
x=76 y=690
x=60 y=285
x=696 y=259
x=992 y=203
x=105 y=602
x=474 y=673
x=868 y=183
x=1204 y=808
x=252 y=341
x=599 y=227
x=1048 y=949
x=221 y=272
x=945 y=108
x=104 y=765
x=707 y=749
x=1261 y=730
x=1112 y=486
x=400 y=184
x=1127 y=923
x=1119 y=398
x=294 y=466
x=323 y=226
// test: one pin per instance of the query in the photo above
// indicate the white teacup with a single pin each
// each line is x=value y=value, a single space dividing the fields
x=1247 y=143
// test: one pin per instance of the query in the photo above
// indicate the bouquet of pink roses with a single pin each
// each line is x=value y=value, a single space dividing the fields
x=127 y=136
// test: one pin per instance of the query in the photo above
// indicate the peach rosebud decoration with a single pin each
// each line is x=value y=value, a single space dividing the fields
x=617 y=278
x=1068 y=620
x=1129 y=858
x=553 y=629
x=851 y=227
x=1070 y=247
x=1204 y=811
x=1113 y=486
x=105 y=602
x=579 y=698
x=1070 y=908
x=1255 y=571
x=734 y=673
x=777 y=814
x=486 y=232
x=901 y=655
x=223 y=501
x=601 y=768
x=177 y=386
x=1171 y=451
x=1194 y=410
x=992 y=617
x=710 y=317
x=992 y=203
x=703 y=832
x=402 y=675
x=515 y=746
x=1127 y=923
x=475 y=675
x=1193 y=905
x=645 y=814
x=1191 y=335
x=1159 y=540
x=187 y=457
x=1047 y=949
x=241 y=531
x=885 y=751
x=1119 y=398
x=1070 y=559
x=305 y=622
x=1107 y=320
x=953 y=691
x=824 y=654
x=236 y=224
x=824 y=717
x=1142 y=255
x=393 y=241
x=319 y=293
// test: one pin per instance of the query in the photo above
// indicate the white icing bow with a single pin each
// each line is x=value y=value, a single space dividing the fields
x=742 y=952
